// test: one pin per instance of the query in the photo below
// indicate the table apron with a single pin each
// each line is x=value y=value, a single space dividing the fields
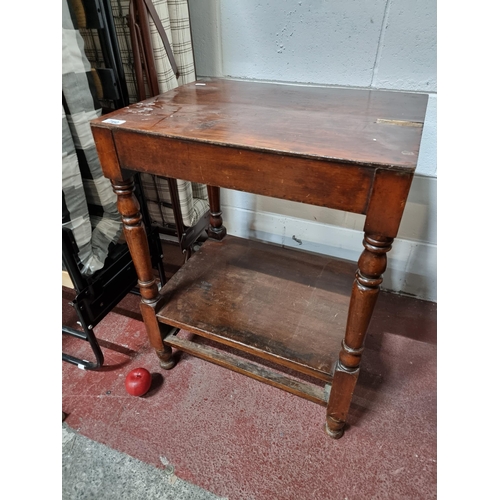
x=318 y=182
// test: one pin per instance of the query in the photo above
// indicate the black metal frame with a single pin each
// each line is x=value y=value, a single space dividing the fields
x=187 y=235
x=99 y=17
x=100 y=293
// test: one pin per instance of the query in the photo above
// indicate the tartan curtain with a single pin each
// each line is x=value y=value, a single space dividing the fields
x=88 y=202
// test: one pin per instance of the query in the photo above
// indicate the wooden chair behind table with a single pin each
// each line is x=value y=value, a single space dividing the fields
x=178 y=207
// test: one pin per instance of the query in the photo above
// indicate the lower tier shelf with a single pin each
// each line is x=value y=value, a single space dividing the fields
x=282 y=305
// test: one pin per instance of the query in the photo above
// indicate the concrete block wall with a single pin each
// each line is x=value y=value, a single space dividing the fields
x=383 y=44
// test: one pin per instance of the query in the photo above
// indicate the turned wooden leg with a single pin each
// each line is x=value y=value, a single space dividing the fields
x=365 y=290
x=137 y=241
x=215 y=230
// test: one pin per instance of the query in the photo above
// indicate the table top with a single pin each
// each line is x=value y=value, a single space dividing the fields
x=365 y=127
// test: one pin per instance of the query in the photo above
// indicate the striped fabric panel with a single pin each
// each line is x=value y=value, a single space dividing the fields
x=89 y=204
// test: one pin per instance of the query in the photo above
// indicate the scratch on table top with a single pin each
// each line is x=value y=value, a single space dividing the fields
x=401 y=123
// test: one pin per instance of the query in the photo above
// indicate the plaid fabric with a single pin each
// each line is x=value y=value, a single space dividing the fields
x=192 y=199
x=120 y=9
x=174 y=15
x=88 y=202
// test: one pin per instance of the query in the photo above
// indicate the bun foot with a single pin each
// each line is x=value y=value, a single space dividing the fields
x=167 y=365
x=334 y=434
x=167 y=361
x=338 y=428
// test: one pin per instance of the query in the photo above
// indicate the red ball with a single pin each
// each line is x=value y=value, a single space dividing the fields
x=138 y=382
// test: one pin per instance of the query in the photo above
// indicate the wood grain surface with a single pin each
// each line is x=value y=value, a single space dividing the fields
x=280 y=304
x=367 y=127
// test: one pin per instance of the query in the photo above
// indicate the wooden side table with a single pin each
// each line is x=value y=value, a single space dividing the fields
x=346 y=149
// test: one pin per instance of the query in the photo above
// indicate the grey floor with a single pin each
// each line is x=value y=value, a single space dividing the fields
x=91 y=470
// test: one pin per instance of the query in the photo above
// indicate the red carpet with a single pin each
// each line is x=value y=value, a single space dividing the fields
x=242 y=439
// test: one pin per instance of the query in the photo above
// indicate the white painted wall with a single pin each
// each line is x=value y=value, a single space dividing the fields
x=387 y=44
